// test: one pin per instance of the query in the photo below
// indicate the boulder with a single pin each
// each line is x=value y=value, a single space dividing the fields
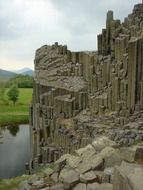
x=80 y=186
x=86 y=152
x=102 y=142
x=73 y=161
x=61 y=162
x=128 y=153
x=92 y=186
x=88 y=177
x=69 y=176
x=136 y=179
x=110 y=156
x=83 y=167
x=108 y=175
x=54 y=177
x=139 y=156
x=105 y=186
x=59 y=186
x=39 y=184
x=128 y=176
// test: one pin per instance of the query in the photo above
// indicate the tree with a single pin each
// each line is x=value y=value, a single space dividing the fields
x=13 y=93
x=22 y=81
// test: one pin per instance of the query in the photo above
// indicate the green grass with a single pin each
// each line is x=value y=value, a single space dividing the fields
x=12 y=184
x=18 y=113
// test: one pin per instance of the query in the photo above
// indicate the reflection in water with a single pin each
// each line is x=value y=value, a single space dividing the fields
x=14 y=152
x=13 y=129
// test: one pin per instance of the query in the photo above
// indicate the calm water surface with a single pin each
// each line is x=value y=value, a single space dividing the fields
x=14 y=150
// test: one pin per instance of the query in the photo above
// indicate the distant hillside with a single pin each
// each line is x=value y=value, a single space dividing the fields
x=25 y=71
x=29 y=72
x=6 y=74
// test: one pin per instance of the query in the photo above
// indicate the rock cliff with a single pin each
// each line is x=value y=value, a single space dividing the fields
x=78 y=96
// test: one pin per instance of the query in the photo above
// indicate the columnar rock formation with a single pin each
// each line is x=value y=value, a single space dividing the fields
x=78 y=95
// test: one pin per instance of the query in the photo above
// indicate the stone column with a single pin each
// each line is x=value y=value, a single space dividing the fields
x=132 y=66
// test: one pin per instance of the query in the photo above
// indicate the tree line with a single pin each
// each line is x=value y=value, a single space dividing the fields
x=21 y=81
x=17 y=81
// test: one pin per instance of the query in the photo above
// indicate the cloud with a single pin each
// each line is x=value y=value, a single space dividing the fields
x=28 y=24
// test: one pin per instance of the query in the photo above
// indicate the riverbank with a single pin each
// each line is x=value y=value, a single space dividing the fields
x=18 y=113
x=10 y=114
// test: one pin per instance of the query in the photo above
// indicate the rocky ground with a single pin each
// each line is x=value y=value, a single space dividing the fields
x=101 y=165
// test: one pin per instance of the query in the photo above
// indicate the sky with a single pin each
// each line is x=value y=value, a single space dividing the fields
x=26 y=25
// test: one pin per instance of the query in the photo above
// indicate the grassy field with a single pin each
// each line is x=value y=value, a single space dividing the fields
x=18 y=113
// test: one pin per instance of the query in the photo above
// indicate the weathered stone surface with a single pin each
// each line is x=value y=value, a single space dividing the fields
x=136 y=179
x=58 y=187
x=92 y=186
x=129 y=176
x=80 y=186
x=105 y=186
x=111 y=156
x=80 y=97
x=73 y=161
x=83 y=167
x=86 y=151
x=128 y=153
x=88 y=177
x=54 y=177
x=39 y=184
x=102 y=142
x=139 y=156
x=108 y=175
x=69 y=176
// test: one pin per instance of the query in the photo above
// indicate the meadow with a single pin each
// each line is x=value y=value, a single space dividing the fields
x=18 y=113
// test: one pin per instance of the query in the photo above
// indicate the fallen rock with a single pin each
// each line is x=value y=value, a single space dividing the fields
x=86 y=152
x=80 y=186
x=83 y=167
x=69 y=176
x=88 y=177
x=128 y=175
x=61 y=162
x=59 y=186
x=128 y=153
x=39 y=184
x=139 y=156
x=54 y=177
x=110 y=156
x=92 y=186
x=73 y=161
x=136 y=179
x=102 y=142
x=105 y=186
x=108 y=175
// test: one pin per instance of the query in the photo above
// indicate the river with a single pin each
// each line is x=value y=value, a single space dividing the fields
x=14 y=150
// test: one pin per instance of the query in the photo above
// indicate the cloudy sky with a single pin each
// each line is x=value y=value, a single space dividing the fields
x=25 y=25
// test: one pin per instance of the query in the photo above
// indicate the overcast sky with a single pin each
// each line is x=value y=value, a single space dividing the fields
x=25 y=25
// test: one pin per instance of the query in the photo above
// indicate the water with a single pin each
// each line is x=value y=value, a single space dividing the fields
x=14 y=150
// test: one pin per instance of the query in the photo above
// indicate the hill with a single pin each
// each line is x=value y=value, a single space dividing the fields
x=6 y=74
x=25 y=71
